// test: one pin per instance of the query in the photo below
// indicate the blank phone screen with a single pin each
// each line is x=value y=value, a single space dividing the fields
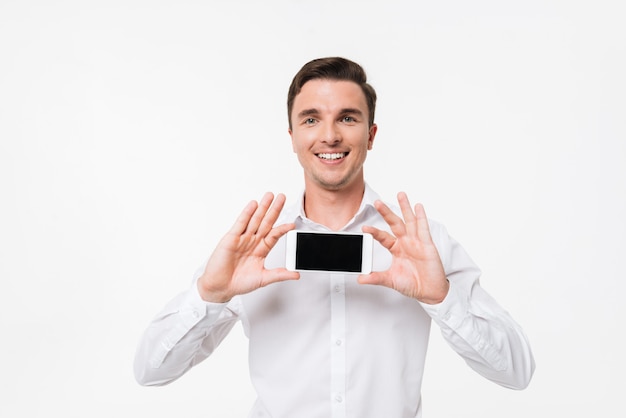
x=330 y=252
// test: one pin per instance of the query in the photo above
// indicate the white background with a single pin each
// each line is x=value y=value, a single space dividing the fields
x=133 y=132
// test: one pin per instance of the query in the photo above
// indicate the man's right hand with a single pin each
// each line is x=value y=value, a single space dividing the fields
x=236 y=266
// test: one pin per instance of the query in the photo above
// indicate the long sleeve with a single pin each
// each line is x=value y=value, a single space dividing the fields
x=183 y=334
x=475 y=325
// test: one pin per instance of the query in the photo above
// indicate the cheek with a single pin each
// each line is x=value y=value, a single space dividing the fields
x=296 y=143
x=302 y=141
x=299 y=148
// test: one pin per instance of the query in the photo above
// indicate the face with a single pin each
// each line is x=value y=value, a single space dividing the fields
x=331 y=134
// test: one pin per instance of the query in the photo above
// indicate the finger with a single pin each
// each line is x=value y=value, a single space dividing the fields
x=394 y=221
x=242 y=221
x=407 y=213
x=278 y=275
x=272 y=215
x=385 y=238
x=259 y=213
x=377 y=278
x=423 y=230
x=274 y=235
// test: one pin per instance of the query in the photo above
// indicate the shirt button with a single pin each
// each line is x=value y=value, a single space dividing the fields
x=338 y=342
x=195 y=314
x=337 y=288
x=338 y=398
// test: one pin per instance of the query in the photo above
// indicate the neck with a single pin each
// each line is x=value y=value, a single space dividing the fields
x=333 y=208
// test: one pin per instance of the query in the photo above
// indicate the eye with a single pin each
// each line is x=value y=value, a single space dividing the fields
x=348 y=119
x=309 y=121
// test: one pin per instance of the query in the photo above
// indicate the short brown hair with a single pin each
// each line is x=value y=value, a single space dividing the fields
x=332 y=68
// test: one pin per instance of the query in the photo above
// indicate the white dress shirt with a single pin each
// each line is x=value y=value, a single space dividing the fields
x=326 y=346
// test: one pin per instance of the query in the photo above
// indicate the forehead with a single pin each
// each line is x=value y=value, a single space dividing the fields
x=329 y=95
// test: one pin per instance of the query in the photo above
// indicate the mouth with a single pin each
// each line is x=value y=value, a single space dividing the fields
x=332 y=156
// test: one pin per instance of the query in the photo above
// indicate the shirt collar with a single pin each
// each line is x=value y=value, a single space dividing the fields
x=296 y=214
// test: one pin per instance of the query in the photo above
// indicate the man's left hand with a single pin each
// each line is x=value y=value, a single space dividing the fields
x=416 y=269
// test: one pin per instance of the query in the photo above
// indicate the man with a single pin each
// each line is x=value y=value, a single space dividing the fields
x=333 y=344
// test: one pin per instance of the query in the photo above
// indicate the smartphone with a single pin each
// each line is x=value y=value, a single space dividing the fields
x=329 y=252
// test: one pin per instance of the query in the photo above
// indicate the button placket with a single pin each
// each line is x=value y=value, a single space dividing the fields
x=337 y=344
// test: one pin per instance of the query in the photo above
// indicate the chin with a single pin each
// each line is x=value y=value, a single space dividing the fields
x=335 y=185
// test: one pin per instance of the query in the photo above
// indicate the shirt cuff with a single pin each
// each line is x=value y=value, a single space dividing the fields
x=188 y=313
x=452 y=311
x=195 y=308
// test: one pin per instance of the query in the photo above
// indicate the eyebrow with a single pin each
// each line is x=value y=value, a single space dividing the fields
x=352 y=111
x=313 y=111
x=308 y=112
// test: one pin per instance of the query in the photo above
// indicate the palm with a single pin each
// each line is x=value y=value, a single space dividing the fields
x=237 y=264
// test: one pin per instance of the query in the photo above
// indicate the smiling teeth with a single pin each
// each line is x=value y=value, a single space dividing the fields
x=333 y=156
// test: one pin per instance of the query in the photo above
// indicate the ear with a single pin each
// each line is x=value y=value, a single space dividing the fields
x=293 y=147
x=370 y=140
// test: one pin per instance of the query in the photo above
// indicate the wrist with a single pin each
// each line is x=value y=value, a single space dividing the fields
x=438 y=296
x=208 y=294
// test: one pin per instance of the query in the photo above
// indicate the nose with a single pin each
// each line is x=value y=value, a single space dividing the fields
x=331 y=134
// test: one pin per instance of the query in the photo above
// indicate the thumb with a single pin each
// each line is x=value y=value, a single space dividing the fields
x=373 y=278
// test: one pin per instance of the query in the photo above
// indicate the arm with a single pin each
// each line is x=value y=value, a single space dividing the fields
x=435 y=270
x=194 y=323
x=184 y=333
x=475 y=325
